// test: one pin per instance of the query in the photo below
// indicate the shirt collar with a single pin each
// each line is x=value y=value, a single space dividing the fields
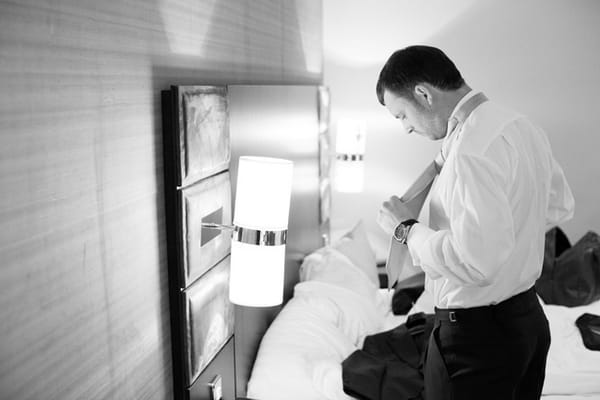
x=462 y=101
x=454 y=122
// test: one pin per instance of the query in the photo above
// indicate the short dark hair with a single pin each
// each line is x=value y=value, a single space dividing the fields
x=417 y=64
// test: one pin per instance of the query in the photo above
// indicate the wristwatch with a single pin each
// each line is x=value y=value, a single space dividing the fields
x=403 y=229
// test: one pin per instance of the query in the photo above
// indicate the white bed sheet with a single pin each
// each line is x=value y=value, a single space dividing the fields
x=571 y=368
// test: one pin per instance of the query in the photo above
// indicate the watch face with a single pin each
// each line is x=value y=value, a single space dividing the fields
x=402 y=230
x=399 y=233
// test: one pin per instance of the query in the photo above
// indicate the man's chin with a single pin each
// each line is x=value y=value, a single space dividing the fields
x=427 y=135
x=433 y=136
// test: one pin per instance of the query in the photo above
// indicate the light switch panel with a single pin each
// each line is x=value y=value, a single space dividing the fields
x=216 y=388
x=215 y=217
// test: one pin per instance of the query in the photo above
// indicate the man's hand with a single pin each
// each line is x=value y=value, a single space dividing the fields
x=391 y=213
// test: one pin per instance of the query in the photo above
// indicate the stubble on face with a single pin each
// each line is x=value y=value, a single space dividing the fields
x=415 y=117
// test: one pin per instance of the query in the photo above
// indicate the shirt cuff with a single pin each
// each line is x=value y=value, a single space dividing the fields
x=418 y=235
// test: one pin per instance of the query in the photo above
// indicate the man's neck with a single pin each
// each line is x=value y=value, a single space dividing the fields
x=452 y=98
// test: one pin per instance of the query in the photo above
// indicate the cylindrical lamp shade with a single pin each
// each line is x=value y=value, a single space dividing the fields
x=351 y=137
x=256 y=274
x=350 y=149
x=262 y=205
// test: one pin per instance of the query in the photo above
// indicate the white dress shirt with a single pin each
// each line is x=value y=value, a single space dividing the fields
x=499 y=190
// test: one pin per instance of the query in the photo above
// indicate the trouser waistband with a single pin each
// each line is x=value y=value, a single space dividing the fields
x=517 y=303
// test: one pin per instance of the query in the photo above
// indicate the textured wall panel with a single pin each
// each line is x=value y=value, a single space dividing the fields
x=199 y=202
x=209 y=318
x=83 y=282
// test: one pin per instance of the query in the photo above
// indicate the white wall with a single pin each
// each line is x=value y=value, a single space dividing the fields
x=540 y=57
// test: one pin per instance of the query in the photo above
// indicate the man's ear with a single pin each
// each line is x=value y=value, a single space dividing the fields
x=423 y=95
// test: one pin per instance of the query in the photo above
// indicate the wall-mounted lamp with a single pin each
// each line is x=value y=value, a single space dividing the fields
x=262 y=205
x=350 y=150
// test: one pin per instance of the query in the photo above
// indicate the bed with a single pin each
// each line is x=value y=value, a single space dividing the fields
x=338 y=302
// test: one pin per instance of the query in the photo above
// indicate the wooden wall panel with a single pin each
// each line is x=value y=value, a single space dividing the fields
x=83 y=283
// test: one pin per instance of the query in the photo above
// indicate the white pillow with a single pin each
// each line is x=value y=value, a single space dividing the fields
x=328 y=275
x=355 y=245
x=331 y=266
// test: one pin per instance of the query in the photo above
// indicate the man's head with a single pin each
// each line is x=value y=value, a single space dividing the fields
x=420 y=86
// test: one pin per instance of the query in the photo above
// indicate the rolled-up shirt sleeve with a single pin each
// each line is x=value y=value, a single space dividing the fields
x=481 y=234
x=561 y=204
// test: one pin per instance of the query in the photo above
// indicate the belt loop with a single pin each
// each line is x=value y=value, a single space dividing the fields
x=452 y=316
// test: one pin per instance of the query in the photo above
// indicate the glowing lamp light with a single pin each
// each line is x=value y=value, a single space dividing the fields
x=350 y=150
x=262 y=206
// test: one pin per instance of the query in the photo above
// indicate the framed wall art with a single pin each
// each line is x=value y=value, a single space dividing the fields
x=206 y=201
x=324 y=163
x=197 y=152
x=202 y=130
x=209 y=318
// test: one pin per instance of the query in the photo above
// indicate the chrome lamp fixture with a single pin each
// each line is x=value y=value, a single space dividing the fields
x=350 y=150
x=260 y=222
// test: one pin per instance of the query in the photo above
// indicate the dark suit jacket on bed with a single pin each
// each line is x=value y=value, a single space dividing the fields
x=390 y=365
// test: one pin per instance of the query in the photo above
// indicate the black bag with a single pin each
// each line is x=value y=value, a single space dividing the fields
x=404 y=299
x=406 y=293
x=570 y=274
x=589 y=326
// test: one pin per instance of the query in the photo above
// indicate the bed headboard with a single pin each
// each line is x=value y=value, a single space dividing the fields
x=206 y=129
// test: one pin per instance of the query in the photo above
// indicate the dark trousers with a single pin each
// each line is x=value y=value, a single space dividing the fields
x=492 y=352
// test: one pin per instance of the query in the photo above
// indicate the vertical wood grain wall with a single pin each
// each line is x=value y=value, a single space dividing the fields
x=83 y=273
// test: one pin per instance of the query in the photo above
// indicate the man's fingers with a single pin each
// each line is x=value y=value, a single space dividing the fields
x=387 y=205
x=396 y=203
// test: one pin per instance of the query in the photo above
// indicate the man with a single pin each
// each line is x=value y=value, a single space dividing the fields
x=497 y=191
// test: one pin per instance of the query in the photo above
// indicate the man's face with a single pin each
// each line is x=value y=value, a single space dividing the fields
x=415 y=117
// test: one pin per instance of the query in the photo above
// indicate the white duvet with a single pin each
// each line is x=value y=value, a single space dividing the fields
x=327 y=319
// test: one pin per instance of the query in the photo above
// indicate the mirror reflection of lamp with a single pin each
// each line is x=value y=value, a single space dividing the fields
x=262 y=205
x=350 y=150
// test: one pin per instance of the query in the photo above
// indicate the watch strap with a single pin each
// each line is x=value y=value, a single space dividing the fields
x=409 y=222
